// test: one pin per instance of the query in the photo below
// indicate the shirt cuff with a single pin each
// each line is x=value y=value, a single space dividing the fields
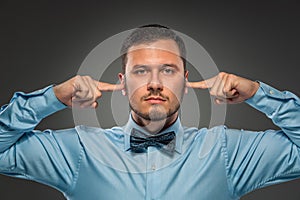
x=267 y=99
x=45 y=102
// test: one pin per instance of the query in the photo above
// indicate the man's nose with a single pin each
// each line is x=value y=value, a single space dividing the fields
x=155 y=83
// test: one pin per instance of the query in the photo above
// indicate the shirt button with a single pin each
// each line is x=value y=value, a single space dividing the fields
x=271 y=92
x=153 y=167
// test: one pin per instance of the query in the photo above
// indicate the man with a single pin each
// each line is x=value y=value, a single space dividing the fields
x=153 y=156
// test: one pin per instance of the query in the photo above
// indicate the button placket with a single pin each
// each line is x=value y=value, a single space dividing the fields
x=153 y=181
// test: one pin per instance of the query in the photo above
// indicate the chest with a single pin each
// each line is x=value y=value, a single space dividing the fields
x=153 y=176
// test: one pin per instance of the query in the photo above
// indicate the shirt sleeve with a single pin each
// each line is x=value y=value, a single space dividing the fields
x=258 y=159
x=283 y=108
x=49 y=157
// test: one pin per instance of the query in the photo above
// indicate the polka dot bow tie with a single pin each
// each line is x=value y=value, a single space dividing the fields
x=139 y=141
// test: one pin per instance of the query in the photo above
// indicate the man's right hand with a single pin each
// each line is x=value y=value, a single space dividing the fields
x=83 y=91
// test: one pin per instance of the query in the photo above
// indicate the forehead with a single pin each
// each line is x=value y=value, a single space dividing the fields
x=158 y=52
x=166 y=45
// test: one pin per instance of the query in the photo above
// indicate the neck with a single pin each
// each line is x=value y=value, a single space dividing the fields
x=154 y=127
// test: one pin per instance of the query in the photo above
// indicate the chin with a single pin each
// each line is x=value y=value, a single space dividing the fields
x=155 y=114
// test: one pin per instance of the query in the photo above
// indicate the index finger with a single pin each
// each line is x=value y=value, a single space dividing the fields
x=202 y=84
x=107 y=87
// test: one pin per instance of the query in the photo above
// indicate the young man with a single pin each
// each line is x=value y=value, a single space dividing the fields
x=153 y=156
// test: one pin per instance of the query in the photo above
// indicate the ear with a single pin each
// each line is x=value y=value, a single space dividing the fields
x=122 y=82
x=186 y=75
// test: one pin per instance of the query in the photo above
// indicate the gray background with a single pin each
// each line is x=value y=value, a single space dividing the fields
x=45 y=42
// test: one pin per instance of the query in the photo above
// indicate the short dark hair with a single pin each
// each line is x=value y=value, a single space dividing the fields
x=148 y=34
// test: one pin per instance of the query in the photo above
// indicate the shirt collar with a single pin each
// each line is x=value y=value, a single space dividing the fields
x=176 y=127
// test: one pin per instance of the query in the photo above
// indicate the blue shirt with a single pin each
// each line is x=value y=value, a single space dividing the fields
x=93 y=163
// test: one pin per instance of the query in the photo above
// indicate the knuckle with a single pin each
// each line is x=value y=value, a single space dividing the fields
x=231 y=76
x=86 y=78
x=222 y=74
x=220 y=94
x=89 y=78
x=225 y=90
x=77 y=78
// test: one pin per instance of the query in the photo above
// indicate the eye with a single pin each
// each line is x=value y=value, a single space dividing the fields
x=140 y=71
x=168 y=71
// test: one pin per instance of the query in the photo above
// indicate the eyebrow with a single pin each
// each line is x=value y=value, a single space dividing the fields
x=163 y=65
x=170 y=65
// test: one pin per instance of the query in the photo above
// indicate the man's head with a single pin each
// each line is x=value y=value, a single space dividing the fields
x=154 y=73
x=149 y=34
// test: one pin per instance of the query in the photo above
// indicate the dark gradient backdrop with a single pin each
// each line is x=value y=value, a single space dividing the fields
x=44 y=42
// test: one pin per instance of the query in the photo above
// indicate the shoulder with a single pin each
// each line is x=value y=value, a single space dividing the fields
x=98 y=131
x=215 y=132
x=66 y=140
x=204 y=140
x=96 y=136
x=202 y=134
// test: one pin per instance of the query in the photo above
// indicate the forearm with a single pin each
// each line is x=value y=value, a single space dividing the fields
x=24 y=112
x=282 y=107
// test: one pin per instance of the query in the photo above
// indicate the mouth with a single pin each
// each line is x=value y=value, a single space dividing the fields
x=155 y=99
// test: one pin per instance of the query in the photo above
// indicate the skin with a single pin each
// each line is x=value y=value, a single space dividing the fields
x=155 y=82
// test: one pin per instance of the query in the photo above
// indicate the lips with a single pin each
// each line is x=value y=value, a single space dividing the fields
x=155 y=99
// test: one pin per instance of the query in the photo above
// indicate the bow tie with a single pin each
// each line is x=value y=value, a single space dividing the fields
x=139 y=141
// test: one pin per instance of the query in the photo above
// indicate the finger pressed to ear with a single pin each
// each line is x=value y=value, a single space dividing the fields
x=107 y=87
x=206 y=84
x=197 y=85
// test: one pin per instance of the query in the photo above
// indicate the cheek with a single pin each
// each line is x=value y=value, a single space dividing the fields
x=135 y=90
x=175 y=88
x=134 y=84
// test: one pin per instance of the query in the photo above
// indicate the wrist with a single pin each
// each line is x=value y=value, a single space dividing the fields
x=256 y=86
x=57 y=93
